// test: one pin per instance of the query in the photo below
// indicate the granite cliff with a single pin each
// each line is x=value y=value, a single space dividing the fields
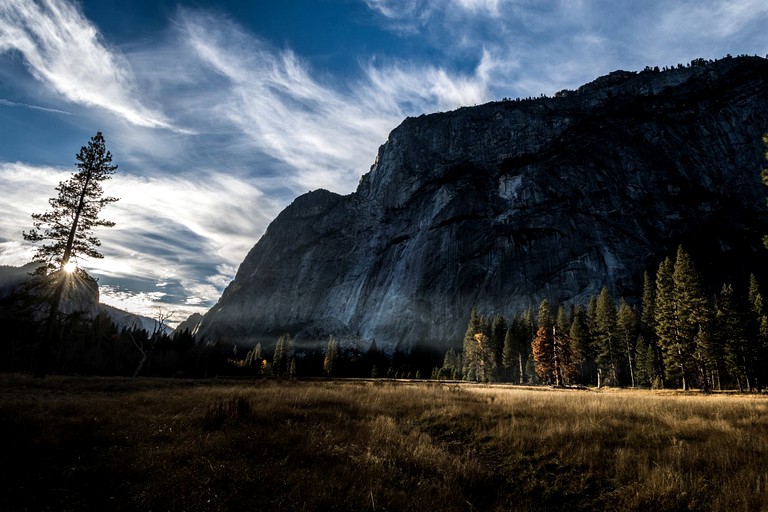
x=504 y=204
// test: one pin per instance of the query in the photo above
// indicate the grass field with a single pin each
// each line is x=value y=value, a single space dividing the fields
x=119 y=444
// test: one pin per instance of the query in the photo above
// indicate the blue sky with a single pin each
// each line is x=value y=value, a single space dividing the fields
x=220 y=113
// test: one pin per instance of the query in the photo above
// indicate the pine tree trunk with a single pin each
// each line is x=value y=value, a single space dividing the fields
x=139 y=366
x=522 y=370
x=704 y=380
x=51 y=328
x=631 y=370
x=558 y=372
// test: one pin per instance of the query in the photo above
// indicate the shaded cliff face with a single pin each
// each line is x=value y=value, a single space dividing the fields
x=508 y=203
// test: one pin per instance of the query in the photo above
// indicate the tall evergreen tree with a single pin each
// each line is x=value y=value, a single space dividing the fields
x=692 y=316
x=648 y=329
x=764 y=177
x=733 y=336
x=520 y=345
x=565 y=369
x=627 y=332
x=666 y=330
x=608 y=353
x=648 y=314
x=451 y=365
x=643 y=366
x=581 y=344
x=469 y=369
x=508 y=355
x=67 y=230
x=497 y=335
x=67 y=227
x=759 y=331
x=561 y=319
x=485 y=358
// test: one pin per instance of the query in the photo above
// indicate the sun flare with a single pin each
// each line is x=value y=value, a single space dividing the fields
x=70 y=267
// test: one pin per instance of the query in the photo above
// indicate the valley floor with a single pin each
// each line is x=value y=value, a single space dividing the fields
x=152 y=444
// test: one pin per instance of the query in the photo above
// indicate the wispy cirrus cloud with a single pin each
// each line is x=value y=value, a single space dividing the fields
x=65 y=51
x=326 y=133
x=548 y=45
x=9 y=103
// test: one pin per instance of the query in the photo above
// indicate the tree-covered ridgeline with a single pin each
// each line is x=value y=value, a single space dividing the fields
x=676 y=336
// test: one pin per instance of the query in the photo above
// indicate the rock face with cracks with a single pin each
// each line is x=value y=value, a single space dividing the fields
x=507 y=203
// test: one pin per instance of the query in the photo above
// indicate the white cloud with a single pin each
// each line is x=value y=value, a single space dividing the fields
x=327 y=134
x=23 y=187
x=489 y=7
x=65 y=51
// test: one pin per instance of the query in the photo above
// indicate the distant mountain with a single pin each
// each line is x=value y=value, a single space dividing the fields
x=130 y=320
x=84 y=298
x=504 y=204
x=192 y=323
x=13 y=277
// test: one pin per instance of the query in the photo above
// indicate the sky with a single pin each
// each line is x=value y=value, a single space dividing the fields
x=219 y=114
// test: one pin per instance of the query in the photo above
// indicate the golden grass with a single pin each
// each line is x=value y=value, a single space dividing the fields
x=118 y=444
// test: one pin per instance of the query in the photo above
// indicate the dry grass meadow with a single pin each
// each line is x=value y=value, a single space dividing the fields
x=119 y=444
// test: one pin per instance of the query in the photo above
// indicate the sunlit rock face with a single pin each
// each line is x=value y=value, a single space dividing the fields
x=508 y=203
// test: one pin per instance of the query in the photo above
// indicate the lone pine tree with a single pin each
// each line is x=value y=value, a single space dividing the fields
x=66 y=229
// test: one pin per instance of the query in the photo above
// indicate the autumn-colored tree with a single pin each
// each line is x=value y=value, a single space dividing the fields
x=543 y=345
x=543 y=351
x=485 y=358
x=283 y=355
x=565 y=369
x=331 y=355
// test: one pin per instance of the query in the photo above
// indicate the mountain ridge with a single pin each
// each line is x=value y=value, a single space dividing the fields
x=503 y=204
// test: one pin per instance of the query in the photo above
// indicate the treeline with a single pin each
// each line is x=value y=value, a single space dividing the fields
x=678 y=336
x=97 y=346
x=333 y=359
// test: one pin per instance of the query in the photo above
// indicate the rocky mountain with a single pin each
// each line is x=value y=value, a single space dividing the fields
x=192 y=323
x=82 y=296
x=504 y=204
